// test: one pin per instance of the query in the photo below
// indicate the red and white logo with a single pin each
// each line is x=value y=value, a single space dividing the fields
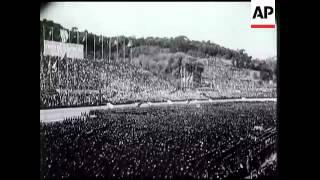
x=263 y=14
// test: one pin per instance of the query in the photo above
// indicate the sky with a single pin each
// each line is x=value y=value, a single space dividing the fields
x=224 y=23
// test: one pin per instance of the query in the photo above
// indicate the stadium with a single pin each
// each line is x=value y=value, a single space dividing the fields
x=161 y=108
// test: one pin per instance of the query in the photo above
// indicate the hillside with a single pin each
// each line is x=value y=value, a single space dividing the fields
x=51 y=30
x=215 y=70
x=151 y=45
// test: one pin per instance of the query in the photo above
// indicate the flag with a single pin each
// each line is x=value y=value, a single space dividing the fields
x=64 y=35
x=84 y=38
x=50 y=32
x=78 y=37
x=49 y=66
x=54 y=66
x=64 y=57
x=130 y=43
x=75 y=36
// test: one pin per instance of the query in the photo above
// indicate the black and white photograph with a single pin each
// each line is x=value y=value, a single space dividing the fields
x=158 y=90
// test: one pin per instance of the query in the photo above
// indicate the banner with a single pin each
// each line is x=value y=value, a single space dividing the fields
x=59 y=49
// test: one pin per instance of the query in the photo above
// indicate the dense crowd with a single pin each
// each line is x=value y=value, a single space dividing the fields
x=75 y=82
x=229 y=81
x=68 y=82
x=214 y=141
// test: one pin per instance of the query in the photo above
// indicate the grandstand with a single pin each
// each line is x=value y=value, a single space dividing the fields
x=124 y=70
x=75 y=82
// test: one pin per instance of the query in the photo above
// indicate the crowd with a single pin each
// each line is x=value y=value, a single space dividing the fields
x=79 y=82
x=70 y=99
x=66 y=73
x=214 y=141
x=68 y=82
x=230 y=82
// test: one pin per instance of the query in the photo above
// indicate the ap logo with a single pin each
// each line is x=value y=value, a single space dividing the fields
x=263 y=14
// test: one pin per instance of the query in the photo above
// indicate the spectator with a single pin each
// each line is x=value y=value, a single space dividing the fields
x=175 y=141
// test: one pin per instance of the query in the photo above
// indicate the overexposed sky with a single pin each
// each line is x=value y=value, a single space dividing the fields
x=224 y=23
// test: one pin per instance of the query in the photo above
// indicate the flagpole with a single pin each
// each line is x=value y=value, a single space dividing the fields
x=109 y=49
x=182 y=77
x=192 y=79
x=41 y=66
x=52 y=33
x=196 y=68
x=86 y=45
x=69 y=37
x=184 y=72
x=181 y=80
x=50 y=72
x=58 y=74
x=94 y=47
x=77 y=37
x=102 y=46
x=130 y=54
x=41 y=71
x=44 y=35
x=67 y=74
x=211 y=72
x=124 y=49
x=117 y=48
x=74 y=73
